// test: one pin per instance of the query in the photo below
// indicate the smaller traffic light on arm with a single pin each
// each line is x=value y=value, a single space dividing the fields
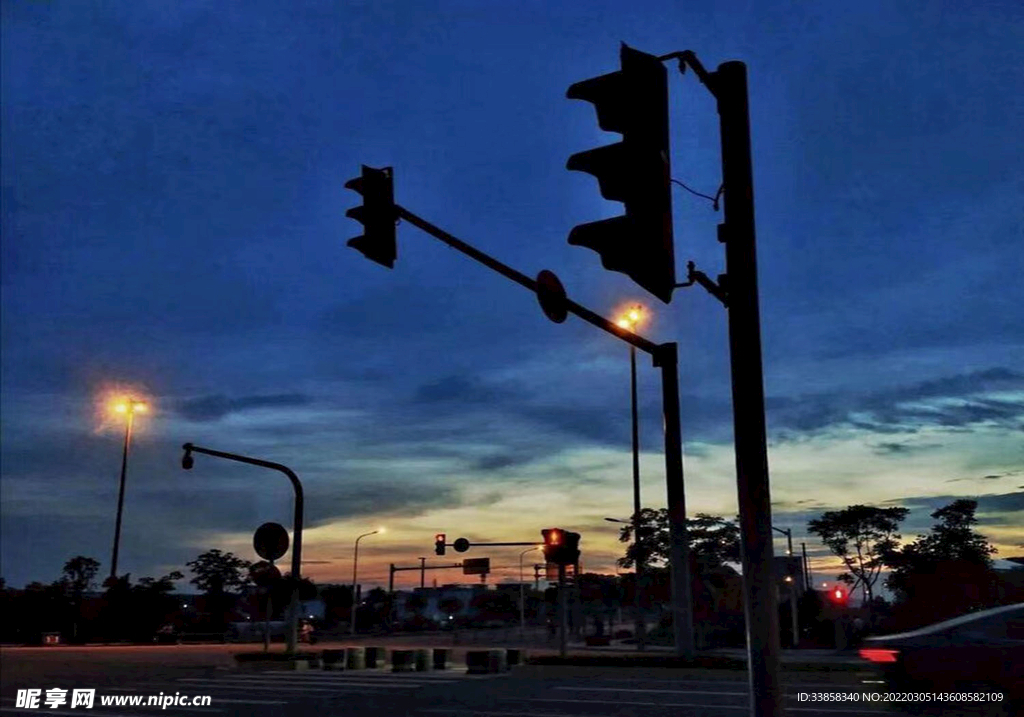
x=439 y=541
x=377 y=214
x=553 y=544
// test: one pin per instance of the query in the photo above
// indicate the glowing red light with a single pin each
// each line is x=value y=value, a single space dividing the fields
x=876 y=654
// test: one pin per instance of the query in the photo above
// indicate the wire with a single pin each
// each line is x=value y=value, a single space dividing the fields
x=713 y=200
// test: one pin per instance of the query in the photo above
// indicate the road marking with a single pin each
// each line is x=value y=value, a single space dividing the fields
x=314 y=687
x=640 y=704
x=469 y=710
x=319 y=681
x=827 y=709
x=78 y=713
x=628 y=689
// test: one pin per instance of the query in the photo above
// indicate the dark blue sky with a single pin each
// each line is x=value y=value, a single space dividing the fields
x=174 y=224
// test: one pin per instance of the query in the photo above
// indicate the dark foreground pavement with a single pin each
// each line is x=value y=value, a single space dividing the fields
x=528 y=691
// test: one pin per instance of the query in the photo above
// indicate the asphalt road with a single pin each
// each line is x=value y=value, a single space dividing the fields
x=530 y=691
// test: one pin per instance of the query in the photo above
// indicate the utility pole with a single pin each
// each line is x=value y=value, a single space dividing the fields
x=737 y=290
x=423 y=572
x=750 y=432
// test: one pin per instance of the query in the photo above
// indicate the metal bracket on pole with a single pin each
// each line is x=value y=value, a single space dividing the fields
x=694 y=276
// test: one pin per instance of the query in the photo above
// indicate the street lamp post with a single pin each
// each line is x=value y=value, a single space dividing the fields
x=187 y=462
x=522 y=592
x=630 y=321
x=129 y=407
x=788 y=532
x=355 y=567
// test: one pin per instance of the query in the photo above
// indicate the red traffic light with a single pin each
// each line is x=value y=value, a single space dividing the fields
x=439 y=538
x=439 y=544
x=838 y=595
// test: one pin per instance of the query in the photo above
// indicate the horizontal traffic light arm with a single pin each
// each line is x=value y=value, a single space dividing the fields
x=573 y=308
x=396 y=569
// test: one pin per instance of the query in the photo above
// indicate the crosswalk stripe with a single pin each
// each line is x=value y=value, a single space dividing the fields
x=299 y=687
x=318 y=680
x=634 y=689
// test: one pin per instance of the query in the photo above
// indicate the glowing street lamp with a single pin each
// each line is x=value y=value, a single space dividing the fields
x=128 y=407
x=355 y=566
x=629 y=320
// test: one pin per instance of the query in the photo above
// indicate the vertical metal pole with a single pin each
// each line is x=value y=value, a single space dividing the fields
x=666 y=358
x=266 y=622
x=522 y=596
x=807 y=568
x=790 y=555
x=120 y=493
x=761 y=605
x=639 y=623
x=423 y=573
x=355 y=599
x=564 y=612
x=536 y=578
x=391 y=593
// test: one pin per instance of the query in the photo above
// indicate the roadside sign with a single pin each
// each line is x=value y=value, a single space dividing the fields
x=264 y=574
x=461 y=545
x=476 y=566
x=270 y=541
x=551 y=295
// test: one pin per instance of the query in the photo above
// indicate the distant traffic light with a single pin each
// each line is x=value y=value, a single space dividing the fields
x=838 y=595
x=635 y=171
x=439 y=544
x=561 y=546
x=377 y=214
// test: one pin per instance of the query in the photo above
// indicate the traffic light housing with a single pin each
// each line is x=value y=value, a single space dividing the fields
x=635 y=171
x=561 y=547
x=377 y=214
x=439 y=544
x=838 y=596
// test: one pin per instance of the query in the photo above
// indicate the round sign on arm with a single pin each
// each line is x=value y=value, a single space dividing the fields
x=551 y=295
x=461 y=545
x=270 y=541
x=264 y=574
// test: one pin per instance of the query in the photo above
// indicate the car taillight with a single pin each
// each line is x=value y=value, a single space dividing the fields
x=877 y=654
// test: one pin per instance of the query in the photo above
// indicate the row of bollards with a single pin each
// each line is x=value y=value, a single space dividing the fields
x=415 y=660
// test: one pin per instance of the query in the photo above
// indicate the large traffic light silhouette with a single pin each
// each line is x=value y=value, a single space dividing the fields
x=377 y=214
x=561 y=547
x=635 y=171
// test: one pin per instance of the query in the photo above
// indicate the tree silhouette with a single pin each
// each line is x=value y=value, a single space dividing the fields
x=952 y=561
x=861 y=536
x=78 y=577
x=217 y=574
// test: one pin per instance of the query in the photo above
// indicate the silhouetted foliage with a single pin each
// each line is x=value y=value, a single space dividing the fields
x=217 y=574
x=714 y=541
x=945 y=573
x=861 y=536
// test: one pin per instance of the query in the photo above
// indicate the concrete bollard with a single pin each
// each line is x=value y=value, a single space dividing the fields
x=403 y=660
x=332 y=659
x=422 y=660
x=375 y=657
x=441 y=658
x=514 y=656
x=355 y=658
x=485 y=661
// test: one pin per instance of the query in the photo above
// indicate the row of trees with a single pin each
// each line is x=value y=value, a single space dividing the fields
x=127 y=610
x=939 y=575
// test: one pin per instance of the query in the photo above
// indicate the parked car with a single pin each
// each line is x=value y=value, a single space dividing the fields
x=981 y=652
x=167 y=635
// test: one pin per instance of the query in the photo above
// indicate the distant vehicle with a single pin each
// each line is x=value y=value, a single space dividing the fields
x=167 y=635
x=981 y=652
